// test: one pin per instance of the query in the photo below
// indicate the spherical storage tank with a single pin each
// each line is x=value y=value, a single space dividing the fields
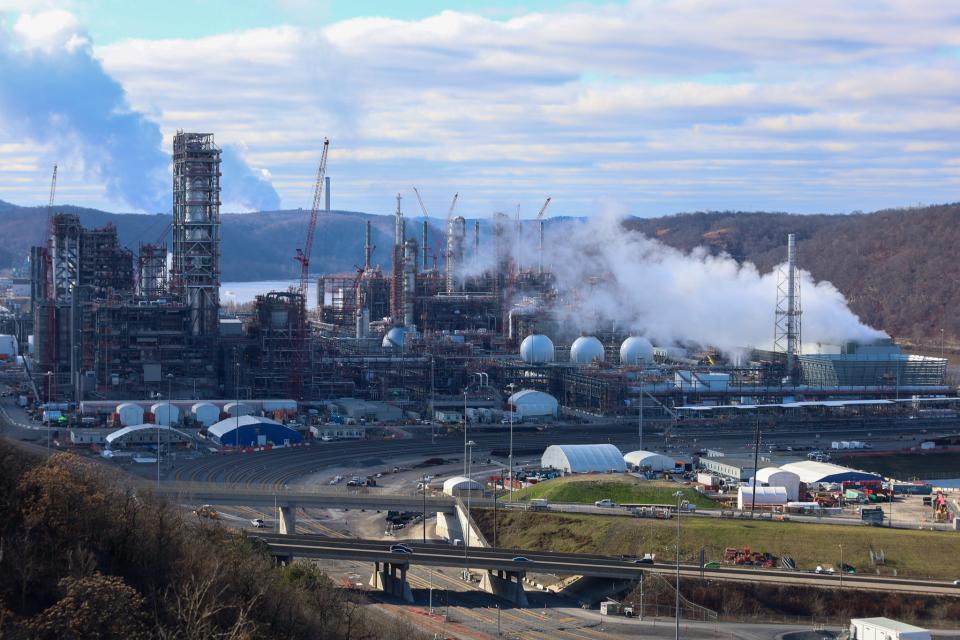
x=536 y=349
x=586 y=349
x=395 y=338
x=636 y=350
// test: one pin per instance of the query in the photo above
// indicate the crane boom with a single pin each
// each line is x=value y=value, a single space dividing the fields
x=452 y=206
x=543 y=209
x=420 y=200
x=303 y=255
x=53 y=190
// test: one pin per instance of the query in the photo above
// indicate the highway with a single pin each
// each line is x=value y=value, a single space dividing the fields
x=312 y=546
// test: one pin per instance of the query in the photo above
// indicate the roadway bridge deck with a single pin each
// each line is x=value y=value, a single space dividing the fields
x=375 y=551
x=370 y=498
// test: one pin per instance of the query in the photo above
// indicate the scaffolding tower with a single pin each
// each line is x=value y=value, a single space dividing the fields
x=787 y=337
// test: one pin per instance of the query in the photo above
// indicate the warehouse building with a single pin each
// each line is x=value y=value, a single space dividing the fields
x=777 y=477
x=583 y=458
x=532 y=404
x=729 y=468
x=252 y=431
x=811 y=472
x=145 y=434
x=649 y=460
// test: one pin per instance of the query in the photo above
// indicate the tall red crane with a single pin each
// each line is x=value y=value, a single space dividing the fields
x=301 y=339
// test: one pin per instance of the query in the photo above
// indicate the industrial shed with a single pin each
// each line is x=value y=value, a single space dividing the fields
x=206 y=413
x=583 y=458
x=777 y=477
x=459 y=485
x=237 y=408
x=145 y=434
x=530 y=403
x=812 y=472
x=165 y=413
x=767 y=497
x=251 y=431
x=130 y=414
x=650 y=460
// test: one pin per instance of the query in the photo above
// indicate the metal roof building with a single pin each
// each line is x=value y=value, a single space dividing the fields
x=583 y=458
x=145 y=434
x=811 y=472
x=530 y=403
x=654 y=461
x=252 y=431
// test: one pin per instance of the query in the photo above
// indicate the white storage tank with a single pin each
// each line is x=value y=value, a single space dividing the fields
x=235 y=409
x=165 y=413
x=636 y=350
x=586 y=350
x=537 y=349
x=8 y=347
x=396 y=338
x=205 y=413
x=130 y=414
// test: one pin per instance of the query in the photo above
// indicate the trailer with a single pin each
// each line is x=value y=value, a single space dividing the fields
x=885 y=629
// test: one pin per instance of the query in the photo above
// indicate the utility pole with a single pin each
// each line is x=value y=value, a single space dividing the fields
x=641 y=413
x=756 y=461
x=678 y=495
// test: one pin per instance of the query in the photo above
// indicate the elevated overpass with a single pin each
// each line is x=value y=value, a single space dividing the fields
x=503 y=569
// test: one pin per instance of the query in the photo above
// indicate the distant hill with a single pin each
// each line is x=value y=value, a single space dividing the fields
x=896 y=267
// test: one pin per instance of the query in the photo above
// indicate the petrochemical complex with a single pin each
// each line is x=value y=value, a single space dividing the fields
x=437 y=332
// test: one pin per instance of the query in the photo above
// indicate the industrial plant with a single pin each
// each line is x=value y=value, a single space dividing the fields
x=443 y=330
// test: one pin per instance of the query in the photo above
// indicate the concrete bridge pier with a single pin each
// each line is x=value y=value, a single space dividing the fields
x=505 y=584
x=391 y=578
x=287 y=520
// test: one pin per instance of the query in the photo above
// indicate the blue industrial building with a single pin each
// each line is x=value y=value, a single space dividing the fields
x=252 y=431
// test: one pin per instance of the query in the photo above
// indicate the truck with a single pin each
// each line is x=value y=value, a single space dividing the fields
x=539 y=504
x=606 y=502
x=885 y=629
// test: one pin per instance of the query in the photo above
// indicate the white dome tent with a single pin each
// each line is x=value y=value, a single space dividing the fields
x=777 y=477
x=586 y=350
x=530 y=403
x=537 y=349
x=460 y=485
x=649 y=459
x=583 y=458
x=636 y=350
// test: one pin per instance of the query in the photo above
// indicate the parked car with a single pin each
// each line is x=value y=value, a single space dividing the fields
x=400 y=548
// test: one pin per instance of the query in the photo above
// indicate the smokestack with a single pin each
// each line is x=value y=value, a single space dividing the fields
x=326 y=193
x=476 y=241
x=423 y=248
x=367 y=248
x=398 y=225
x=409 y=280
x=456 y=230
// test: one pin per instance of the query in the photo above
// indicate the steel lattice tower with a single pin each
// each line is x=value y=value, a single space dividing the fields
x=787 y=335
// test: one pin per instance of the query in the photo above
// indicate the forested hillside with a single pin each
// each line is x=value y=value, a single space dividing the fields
x=896 y=267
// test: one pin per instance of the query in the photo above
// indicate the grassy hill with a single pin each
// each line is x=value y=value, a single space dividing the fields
x=619 y=488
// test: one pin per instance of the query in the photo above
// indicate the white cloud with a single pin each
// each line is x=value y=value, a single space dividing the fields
x=662 y=106
x=50 y=30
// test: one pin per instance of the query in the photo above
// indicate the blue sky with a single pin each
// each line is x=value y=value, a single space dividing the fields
x=646 y=107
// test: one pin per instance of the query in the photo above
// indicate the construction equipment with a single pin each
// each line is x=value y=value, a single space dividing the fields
x=303 y=257
x=543 y=210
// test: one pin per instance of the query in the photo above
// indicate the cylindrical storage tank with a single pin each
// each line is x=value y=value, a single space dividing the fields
x=8 y=347
x=395 y=338
x=165 y=413
x=537 y=349
x=205 y=413
x=586 y=350
x=636 y=350
x=130 y=414
x=235 y=409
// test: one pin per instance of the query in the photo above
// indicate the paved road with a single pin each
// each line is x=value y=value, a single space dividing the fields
x=311 y=546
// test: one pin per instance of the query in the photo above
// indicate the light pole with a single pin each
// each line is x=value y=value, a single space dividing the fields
x=678 y=495
x=640 y=426
x=236 y=392
x=466 y=544
x=432 y=412
x=464 y=432
x=510 y=407
x=841 y=564
x=423 y=482
x=756 y=462
x=48 y=374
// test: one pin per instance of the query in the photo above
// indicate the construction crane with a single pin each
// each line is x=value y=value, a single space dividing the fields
x=50 y=295
x=303 y=257
x=543 y=210
x=426 y=218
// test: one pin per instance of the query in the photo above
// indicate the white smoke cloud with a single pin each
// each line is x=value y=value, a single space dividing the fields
x=605 y=272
